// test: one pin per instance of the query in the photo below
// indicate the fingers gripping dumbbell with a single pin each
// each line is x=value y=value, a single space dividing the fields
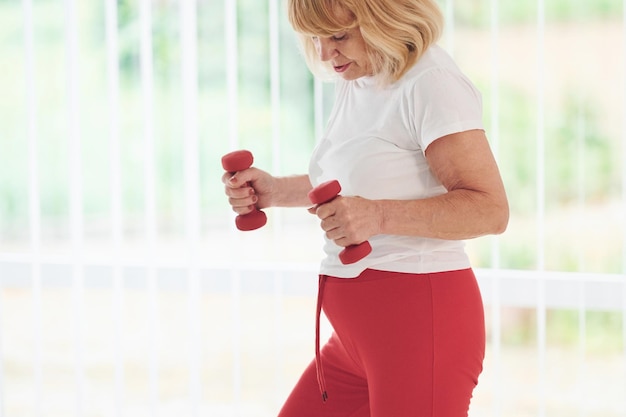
x=238 y=161
x=325 y=193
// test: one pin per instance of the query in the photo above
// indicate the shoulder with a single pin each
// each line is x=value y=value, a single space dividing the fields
x=440 y=99
x=435 y=58
x=437 y=73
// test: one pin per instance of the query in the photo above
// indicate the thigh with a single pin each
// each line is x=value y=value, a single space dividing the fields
x=459 y=341
x=347 y=387
x=386 y=320
x=419 y=339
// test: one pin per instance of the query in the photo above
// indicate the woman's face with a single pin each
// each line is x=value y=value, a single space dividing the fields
x=346 y=52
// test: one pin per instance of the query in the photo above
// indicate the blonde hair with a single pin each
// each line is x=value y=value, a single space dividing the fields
x=396 y=32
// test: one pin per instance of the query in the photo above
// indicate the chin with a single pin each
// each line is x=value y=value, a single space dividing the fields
x=351 y=77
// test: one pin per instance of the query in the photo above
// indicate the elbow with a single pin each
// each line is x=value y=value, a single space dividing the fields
x=501 y=226
x=500 y=219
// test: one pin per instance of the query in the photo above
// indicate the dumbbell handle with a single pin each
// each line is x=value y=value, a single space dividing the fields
x=324 y=193
x=238 y=161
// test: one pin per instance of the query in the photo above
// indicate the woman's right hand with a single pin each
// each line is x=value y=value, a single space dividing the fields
x=248 y=189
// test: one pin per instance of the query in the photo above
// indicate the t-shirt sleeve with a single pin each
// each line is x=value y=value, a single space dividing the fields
x=445 y=102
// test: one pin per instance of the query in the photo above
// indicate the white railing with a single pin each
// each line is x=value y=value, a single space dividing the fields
x=133 y=366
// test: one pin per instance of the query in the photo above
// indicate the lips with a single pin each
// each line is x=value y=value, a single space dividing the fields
x=342 y=68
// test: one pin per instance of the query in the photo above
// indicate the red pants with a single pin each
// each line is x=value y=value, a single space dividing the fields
x=404 y=345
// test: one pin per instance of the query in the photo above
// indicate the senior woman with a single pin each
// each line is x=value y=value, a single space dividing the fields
x=406 y=141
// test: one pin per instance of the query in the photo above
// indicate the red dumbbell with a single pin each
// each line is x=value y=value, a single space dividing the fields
x=238 y=161
x=325 y=193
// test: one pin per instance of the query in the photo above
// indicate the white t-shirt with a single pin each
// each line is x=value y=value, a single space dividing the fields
x=374 y=146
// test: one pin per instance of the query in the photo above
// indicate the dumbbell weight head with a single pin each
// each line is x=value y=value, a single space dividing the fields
x=325 y=192
x=251 y=221
x=237 y=161
x=355 y=253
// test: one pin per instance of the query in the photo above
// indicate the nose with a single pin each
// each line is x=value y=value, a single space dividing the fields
x=326 y=49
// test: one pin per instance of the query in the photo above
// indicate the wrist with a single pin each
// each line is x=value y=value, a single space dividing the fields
x=291 y=191
x=380 y=216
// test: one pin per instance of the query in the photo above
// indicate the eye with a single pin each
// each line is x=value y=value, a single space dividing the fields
x=340 y=37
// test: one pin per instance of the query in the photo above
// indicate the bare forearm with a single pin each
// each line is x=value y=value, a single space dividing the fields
x=457 y=215
x=291 y=191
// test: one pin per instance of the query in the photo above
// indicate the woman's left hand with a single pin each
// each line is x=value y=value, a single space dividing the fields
x=349 y=220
